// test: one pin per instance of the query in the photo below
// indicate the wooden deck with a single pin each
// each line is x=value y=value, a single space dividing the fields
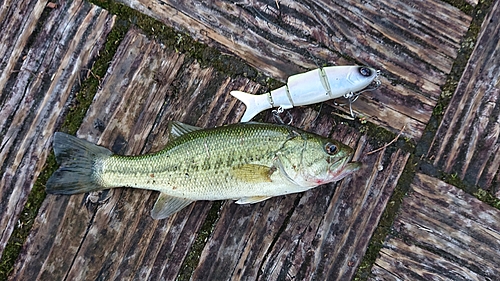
x=424 y=207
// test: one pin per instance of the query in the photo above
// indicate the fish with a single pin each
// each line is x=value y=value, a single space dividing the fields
x=311 y=87
x=247 y=162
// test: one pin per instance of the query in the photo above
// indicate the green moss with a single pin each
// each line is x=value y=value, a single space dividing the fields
x=72 y=122
x=462 y=5
x=487 y=197
x=459 y=65
x=193 y=257
x=25 y=222
x=455 y=180
x=478 y=192
x=89 y=87
x=467 y=46
x=183 y=43
x=384 y=227
x=83 y=98
x=231 y=66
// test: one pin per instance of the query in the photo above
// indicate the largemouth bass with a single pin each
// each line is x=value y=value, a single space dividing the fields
x=247 y=162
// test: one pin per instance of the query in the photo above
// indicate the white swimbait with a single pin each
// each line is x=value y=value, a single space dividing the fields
x=314 y=86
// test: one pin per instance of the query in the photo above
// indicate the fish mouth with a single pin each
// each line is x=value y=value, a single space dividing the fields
x=342 y=168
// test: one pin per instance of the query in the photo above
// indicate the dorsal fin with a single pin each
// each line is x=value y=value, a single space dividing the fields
x=178 y=129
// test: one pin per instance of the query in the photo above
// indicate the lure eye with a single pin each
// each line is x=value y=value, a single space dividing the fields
x=365 y=71
x=330 y=148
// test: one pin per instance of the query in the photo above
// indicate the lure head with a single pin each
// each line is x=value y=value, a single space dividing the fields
x=310 y=160
x=370 y=73
x=359 y=78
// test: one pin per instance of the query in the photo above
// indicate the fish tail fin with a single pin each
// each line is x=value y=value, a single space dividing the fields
x=81 y=165
x=255 y=103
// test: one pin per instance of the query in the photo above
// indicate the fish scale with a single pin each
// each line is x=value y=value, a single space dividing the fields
x=248 y=162
x=202 y=155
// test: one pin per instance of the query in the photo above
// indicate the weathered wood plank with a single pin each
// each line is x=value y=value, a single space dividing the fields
x=82 y=243
x=18 y=22
x=35 y=96
x=466 y=142
x=414 y=47
x=442 y=233
x=322 y=233
x=400 y=261
x=146 y=79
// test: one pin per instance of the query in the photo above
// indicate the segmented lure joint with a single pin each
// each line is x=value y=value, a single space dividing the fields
x=311 y=87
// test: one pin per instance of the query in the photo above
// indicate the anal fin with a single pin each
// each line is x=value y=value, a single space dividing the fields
x=252 y=200
x=167 y=205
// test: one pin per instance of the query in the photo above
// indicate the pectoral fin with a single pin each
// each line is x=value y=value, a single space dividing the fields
x=167 y=205
x=253 y=173
x=253 y=199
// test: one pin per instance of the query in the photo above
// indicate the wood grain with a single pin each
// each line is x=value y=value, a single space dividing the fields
x=18 y=21
x=466 y=142
x=35 y=96
x=441 y=233
x=322 y=233
x=413 y=43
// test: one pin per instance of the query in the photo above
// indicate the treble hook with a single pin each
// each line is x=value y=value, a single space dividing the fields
x=277 y=117
x=352 y=97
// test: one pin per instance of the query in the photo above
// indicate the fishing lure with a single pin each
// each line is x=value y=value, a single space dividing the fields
x=314 y=86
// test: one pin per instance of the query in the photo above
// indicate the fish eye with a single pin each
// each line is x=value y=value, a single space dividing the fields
x=330 y=148
x=365 y=71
